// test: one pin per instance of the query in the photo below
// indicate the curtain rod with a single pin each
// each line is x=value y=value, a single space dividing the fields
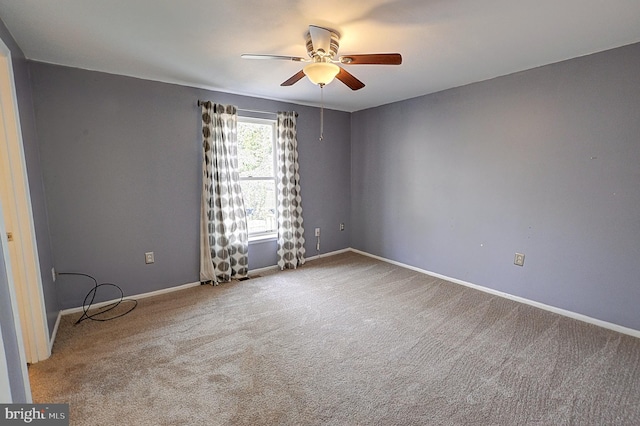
x=200 y=103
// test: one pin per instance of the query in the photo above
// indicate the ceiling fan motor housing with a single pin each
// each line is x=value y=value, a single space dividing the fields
x=333 y=47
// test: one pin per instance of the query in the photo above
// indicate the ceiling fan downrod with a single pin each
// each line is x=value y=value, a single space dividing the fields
x=321 y=112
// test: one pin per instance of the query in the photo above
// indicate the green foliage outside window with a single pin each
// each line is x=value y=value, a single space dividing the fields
x=257 y=177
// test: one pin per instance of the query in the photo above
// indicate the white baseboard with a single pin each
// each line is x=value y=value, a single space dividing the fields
x=563 y=312
x=137 y=296
x=308 y=259
x=177 y=288
x=328 y=254
x=560 y=311
x=259 y=271
x=52 y=338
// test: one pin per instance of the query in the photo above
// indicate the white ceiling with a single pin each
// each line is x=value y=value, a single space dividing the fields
x=444 y=43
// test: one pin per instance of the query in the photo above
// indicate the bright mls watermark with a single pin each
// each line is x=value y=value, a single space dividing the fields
x=34 y=414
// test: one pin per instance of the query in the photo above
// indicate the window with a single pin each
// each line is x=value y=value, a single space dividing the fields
x=256 y=162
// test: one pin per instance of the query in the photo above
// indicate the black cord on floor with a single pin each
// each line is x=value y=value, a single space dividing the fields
x=92 y=294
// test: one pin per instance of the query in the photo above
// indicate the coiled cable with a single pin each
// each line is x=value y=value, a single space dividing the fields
x=92 y=295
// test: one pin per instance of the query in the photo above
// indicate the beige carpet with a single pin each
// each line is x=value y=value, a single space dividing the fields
x=345 y=340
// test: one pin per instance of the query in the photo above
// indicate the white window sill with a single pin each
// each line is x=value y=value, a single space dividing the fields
x=263 y=238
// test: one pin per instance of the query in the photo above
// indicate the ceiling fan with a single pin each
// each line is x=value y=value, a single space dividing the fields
x=322 y=48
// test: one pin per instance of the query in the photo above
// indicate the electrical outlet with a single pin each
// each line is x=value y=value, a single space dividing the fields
x=317 y=232
x=519 y=259
x=342 y=226
x=148 y=257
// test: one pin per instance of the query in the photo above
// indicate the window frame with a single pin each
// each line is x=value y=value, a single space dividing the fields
x=266 y=235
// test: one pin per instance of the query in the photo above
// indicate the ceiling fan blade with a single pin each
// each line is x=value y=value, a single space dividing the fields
x=284 y=58
x=321 y=38
x=294 y=79
x=348 y=79
x=372 y=59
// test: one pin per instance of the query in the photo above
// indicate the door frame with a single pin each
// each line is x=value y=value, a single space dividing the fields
x=26 y=281
x=5 y=386
x=6 y=390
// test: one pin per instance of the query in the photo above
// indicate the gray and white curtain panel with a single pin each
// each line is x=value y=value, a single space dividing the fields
x=290 y=230
x=224 y=241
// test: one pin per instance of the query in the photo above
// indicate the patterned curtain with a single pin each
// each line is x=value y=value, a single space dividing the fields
x=223 y=226
x=290 y=230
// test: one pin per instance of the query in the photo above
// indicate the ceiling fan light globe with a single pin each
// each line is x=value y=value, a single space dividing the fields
x=321 y=72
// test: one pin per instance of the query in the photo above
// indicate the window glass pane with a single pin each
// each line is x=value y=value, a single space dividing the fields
x=255 y=149
x=260 y=204
x=257 y=174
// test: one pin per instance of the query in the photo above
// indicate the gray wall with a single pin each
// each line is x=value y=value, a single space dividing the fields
x=122 y=170
x=544 y=162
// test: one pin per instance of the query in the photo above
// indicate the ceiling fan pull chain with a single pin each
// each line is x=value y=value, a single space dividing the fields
x=321 y=111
